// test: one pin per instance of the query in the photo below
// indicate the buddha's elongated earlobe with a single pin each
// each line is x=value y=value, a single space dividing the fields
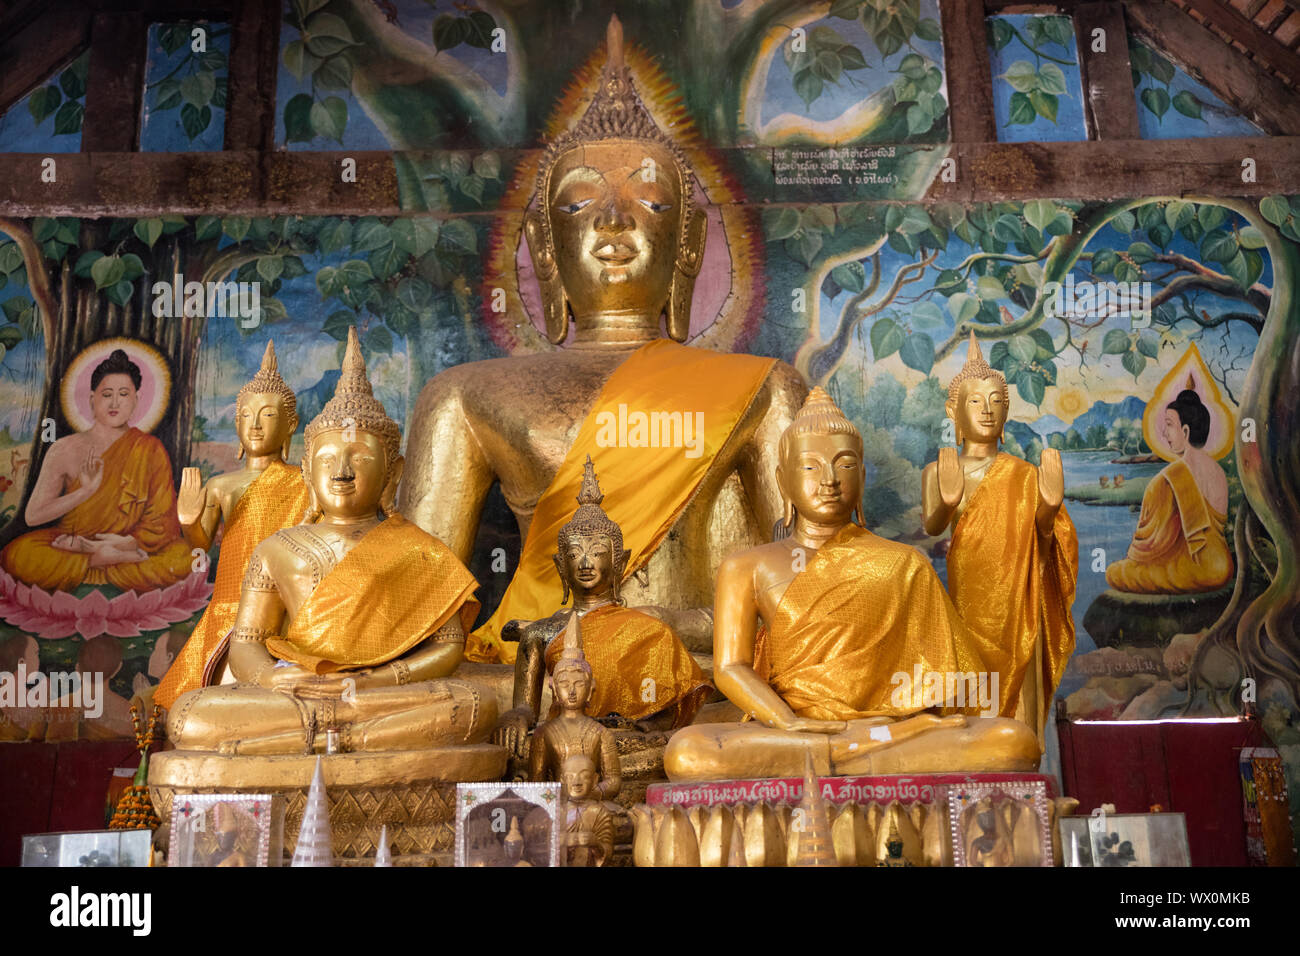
x=690 y=257
x=555 y=305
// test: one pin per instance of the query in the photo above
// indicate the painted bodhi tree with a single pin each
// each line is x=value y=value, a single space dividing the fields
x=998 y=293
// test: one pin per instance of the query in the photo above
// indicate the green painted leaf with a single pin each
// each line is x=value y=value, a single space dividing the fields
x=132 y=267
x=926 y=315
x=1275 y=209
x=1031 y=386
x=808 y=85
x=387 y=261
x=1009 y=228
x=236 y=227
x=334 y=235
x=1040 y=212
x=1187 y=104
x=1023 y=347
x=85 y=261
x=1022 y=110
x=327 y=34
x=297 y=119
x=1219 y=247
x=886 y=338
x=68 y=119
x=1156 y=100
x=990 y=289
x=120 y=293
x=269 y=268
x=107 y=271
x=195 y=121
x=917 y=352
x=43 y=101
x=329 y=118
x=379 y=339
x=1148 y=344
x=334 y=74
x=1022 y=76
x=148 y=231
x=1141 y=253
x=338 y=323
x=1134 y=362
x=1161 y=68
x=197 y=88
x=415 y=294
x=1051 y=79
x=1179 y=213
x=1116 y=342
x=850 y=275
x=928 y=29
x=781 y=223
x=963 y=306
x=207 y=227
x=999 y=32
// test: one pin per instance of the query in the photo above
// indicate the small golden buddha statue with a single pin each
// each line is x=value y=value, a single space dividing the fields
x=345 y=624
x=255 y=502
x=572 y=731
x=513 y=846
x=1013 y=563
x=589 y=826
x=641 y=671
x=226 y=830
x=1179 y=545
x=616 y=242
x=844 y=612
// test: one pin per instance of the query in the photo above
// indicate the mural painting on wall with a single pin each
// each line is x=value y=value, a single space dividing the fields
x=1150 y=341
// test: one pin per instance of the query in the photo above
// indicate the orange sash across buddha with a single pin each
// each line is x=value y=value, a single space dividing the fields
x=646 y=489
x=626 y=648
x=1179 y=546
x=1011 y=587
x=277 y=498
x=395 y=588
x=135 y=497
x=863 y=611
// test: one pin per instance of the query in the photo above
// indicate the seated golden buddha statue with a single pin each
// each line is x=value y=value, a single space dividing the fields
x=255 y=502
x=571 y=732
x=110 y=490
x=1179 y=545
x=1013 y=563
x=844 y=612
x=345 y=624
x=615 y=250
x=642 y=672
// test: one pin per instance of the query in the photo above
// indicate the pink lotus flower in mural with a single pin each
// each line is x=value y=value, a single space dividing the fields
x=59 y=615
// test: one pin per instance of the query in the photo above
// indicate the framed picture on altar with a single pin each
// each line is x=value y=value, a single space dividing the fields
x=999 y=824
x=1125 y=839
x=89 y=848
x=508 y=824
x=221 y=829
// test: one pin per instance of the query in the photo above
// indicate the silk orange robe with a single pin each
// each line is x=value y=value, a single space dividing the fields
x=390 y=592
x=1179 y=545
x=277 y=498
x=640 y=666
x=1012 y=588
x=863 y=611
x=135 y=497
x=645 y=489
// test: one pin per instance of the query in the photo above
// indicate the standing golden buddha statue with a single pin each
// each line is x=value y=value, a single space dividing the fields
x=618 y=250
x=642 y=672
x=845 y=612
x=255 y=502
x=1013 y=563
x=345 y=624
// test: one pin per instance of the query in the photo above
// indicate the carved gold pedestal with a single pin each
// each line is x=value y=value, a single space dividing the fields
x=411 y=791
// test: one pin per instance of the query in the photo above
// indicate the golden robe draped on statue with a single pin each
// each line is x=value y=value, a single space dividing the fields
x=1178 y=546
x=135 y=497
x=1012 y=587
x=412 y=585
x=277 y=498
x=626 y=648
x=646 y=488
x=865 y=609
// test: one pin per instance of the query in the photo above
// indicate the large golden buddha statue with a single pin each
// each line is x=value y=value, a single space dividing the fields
x=1013 y=563
x=1179 y=545
x=616 y=242
x=844 y=613
x=641 y=670
x=345 y=624
x=255 y=502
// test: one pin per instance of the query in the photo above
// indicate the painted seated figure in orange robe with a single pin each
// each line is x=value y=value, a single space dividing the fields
x=1179 y=546
x=110 y=490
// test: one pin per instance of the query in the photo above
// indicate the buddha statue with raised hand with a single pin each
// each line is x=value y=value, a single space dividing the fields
x=345 y=623
x=616 y=242
x=1013 y=563
x=844 y=613
x=642 y=672
x=254 y=501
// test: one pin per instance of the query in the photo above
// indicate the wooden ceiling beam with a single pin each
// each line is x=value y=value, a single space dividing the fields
x=1237 y=28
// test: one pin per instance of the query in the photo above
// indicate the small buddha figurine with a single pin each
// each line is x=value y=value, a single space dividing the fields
x=226 y=830
x=254 y=501
x=988 y=840
x=514 y=845
x=572 y=731
x=1013 y=563
x=641 y=671
x=616 y=253
x=1179 y=546
x=589 y=826
x=844 y=612
x=345 y=624
x=894 y=848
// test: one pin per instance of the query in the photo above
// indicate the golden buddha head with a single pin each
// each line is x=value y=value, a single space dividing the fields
x=591 y=558
x=352 y=461
x=1186 y=422
x=820 y=468
x=978 y=399
x=615 y=232
x=266 y=411
x=114 y=390
x=578 y=777
x=571 y=678
x=514 y=843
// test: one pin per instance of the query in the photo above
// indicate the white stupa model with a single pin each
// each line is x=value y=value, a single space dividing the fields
x=315 y=840
x=383 y=855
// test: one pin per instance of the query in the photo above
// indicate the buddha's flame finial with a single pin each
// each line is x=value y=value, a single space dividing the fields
x=354 y=404
x=573 y=650
x=352 y=377
x=514 y=836
x=589 y=493
x=975 y=368
x=614 y=43
x=269 y=380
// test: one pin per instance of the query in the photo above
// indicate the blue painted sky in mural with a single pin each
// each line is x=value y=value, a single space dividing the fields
x=184 y=90
x=1036 y=79
x=48 y=120
x=1172 y=105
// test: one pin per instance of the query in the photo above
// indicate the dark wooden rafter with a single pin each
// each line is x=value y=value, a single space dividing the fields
x=254 y=64
x=969 y=75
x=1258 y=95
x=30 y=55
x=1109 y=106
x=114 y=83
x=1232 y=24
